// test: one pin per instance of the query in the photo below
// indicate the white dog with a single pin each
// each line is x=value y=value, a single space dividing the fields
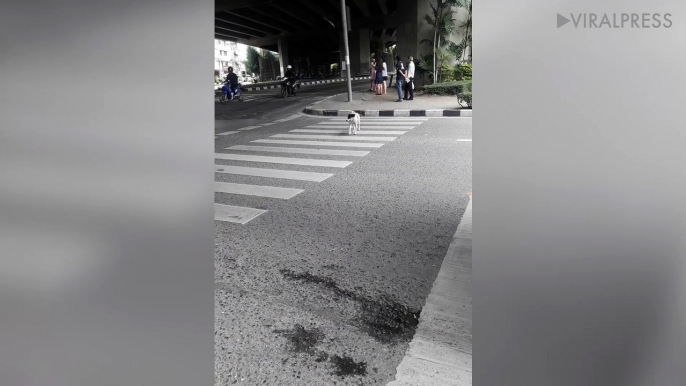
x=353 y=123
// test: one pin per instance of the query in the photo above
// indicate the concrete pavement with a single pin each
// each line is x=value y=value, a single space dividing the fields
x=367 y=103
x=440 y=353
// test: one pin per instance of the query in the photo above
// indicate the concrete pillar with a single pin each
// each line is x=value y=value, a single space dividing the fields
x=354 y=47
x=283 y=56
x=407 y=36
x=364 y=50
x=358 y=41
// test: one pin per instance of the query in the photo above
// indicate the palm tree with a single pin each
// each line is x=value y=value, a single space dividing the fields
x=432 y=20
x=441 y=19
x=467 y=26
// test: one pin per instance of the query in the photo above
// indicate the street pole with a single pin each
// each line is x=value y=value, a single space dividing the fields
x=347 y=53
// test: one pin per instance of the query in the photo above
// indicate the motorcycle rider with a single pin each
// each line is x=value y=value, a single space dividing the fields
x=289 y=76
x=232 y=80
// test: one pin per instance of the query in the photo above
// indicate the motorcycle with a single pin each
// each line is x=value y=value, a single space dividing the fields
x=226 y=96
x=289 y=88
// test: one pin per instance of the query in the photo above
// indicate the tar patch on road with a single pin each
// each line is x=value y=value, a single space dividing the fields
x=302 y=340
x=346 y=366
x=383 y=319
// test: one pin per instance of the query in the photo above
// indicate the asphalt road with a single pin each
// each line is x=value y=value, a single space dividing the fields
x=325 y=287
x=267 y=104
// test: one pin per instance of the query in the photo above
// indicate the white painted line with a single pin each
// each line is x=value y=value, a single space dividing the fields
x=338 y=137
x=318 y=143
x=248 y=128
x=272 y=173
x=296 y=150
x=283 y=160
x=464 y=140
x=268 y=124
x=236 y=214
x=328 y=130
x=256 y=190
x=362 y=125
x=229 y=132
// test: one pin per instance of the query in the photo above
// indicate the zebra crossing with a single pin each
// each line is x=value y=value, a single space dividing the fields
x=298 y=147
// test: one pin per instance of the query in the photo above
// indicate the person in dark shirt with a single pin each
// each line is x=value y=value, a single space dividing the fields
x=400 y=79
x=289 y=77
x=232 y=80
x=289 y=72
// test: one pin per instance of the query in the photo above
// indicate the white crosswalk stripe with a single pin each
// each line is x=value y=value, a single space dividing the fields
x=283 y=160
x=317 y=143
x=354 y=153
x=229 y=132
x=235 y=214
x=338 y=137
x=258 y=98
x=362 y=126
x=332 y=131
x=320 y=139
x=272 y=173
x=384 y=122
x=256 y=190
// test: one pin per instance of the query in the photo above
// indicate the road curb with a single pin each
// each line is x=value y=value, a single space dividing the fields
x=389 y=113
x=440 y=353
x=277 y=84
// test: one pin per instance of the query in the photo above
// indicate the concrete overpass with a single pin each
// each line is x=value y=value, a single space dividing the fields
x=308 y=33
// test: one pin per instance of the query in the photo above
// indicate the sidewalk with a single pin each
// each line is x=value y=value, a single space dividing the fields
x=440 y=353
x=369 y=104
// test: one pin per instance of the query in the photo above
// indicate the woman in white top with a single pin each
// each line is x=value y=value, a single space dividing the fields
x=385 y=76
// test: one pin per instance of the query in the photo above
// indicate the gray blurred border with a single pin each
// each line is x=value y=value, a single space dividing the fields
x=579 y=169
x=106 y=223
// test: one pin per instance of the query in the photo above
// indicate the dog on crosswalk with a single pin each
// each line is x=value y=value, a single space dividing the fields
x=353 y=123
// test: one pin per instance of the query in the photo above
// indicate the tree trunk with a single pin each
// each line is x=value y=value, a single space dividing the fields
x=434 y=56
x=466 y=36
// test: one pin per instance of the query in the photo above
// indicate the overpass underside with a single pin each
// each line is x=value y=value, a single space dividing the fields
x=307 y=34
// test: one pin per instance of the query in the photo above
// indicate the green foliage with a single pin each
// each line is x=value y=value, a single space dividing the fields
x=449 y=88
x=465 y=97
x=455 y=49
x=462 y=71
x=268 y=55
x=425 y=65
x=443 y=57
x=446 y=74
x=252 y=65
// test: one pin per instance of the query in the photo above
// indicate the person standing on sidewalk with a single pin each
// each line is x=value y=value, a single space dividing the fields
x=400 y=77
x=378 y=79
x=372 y=75
x=409 y=84
x=384 y=73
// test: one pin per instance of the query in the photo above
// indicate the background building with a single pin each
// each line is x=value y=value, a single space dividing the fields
x=227 y=54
